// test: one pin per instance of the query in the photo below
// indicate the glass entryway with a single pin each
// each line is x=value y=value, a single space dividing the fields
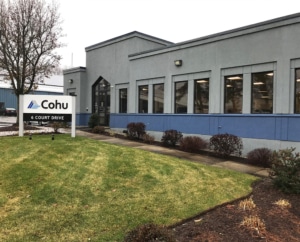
x=101 y=100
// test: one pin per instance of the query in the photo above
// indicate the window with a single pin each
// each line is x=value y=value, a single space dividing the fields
x=143 y=99
x=233 y=94
x=201 y=95
x=262 y=92
x=181 y=94
x=123 y=100
x=158 y=98
x=297 y=91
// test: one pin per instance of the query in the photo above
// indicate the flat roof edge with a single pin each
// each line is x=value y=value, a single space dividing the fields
x=75 y=69
x=252 y=28
x=128 y=36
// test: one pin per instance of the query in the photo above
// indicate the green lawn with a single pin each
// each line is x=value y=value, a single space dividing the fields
x=77 y=189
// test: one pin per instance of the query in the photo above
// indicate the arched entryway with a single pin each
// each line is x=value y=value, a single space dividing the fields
x=101 y=100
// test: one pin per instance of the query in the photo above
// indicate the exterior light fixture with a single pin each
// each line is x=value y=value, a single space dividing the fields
x=178 y=62
x=71 y=81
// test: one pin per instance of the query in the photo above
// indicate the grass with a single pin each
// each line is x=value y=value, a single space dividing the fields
x=78 y=189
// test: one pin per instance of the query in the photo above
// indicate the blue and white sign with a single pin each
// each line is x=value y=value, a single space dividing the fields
x=47 y=108
x=47 y=104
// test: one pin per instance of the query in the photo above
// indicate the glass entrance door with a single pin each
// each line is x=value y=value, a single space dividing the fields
x=101 y=100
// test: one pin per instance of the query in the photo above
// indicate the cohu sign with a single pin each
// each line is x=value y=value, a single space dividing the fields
x=47 y=108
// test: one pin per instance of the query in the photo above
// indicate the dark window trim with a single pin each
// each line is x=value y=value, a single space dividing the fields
x=153 y=96
x=175 y=106
x=194 y=93
x=295 y=92
x=252 y=91
x=139 y=103
x=120 y=102
x=227 y=77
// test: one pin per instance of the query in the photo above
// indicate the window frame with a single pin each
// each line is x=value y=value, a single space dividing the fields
x=200 y=81
x=154 y=96
x=140 y=104
x=252 y=92
x=234 y=79
x=125 y=100
x=297 y=77
x=185 y=94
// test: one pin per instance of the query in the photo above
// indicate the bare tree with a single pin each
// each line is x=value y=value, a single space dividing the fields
x=29 y=34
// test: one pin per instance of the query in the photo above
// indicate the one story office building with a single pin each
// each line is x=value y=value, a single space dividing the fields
x=244 y=81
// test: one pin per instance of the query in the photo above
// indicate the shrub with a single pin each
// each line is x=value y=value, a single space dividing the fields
x=285 y=170
x=247 y=204
x=171 y=137
x=131 y=133
x=55 y=126
x=192 y=144
x=149 y=233
x=140 y=129
x=253 y=222
x=94 y=120
x=98 y=130
x=147 y=138
x=226 y=144
x=136 y=130
x=260 y=156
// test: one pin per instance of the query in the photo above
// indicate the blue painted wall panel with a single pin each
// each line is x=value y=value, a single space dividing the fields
x=281 y=128
x=271 y=127
x=293 y=129
x=8 y=97
x=82 y=119
x=248 y=126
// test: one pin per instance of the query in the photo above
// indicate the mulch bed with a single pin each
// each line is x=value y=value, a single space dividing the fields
x=224 y=222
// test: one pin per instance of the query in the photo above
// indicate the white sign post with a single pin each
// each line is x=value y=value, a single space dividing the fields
x=47 y=108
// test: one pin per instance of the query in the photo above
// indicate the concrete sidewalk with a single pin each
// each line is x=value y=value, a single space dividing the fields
x=245 y=168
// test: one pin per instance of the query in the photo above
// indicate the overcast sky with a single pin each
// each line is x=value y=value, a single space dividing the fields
x=87 y=22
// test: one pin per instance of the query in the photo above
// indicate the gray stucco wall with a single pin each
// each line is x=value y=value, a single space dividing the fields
x=109 y=60
x=77 y=86
x=136 y=59
x=271 y=46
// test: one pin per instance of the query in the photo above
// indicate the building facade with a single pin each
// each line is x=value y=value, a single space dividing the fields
x=49 y=86
x=244 y=81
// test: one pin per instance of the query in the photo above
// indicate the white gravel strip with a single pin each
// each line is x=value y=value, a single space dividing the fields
x=40 y=130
